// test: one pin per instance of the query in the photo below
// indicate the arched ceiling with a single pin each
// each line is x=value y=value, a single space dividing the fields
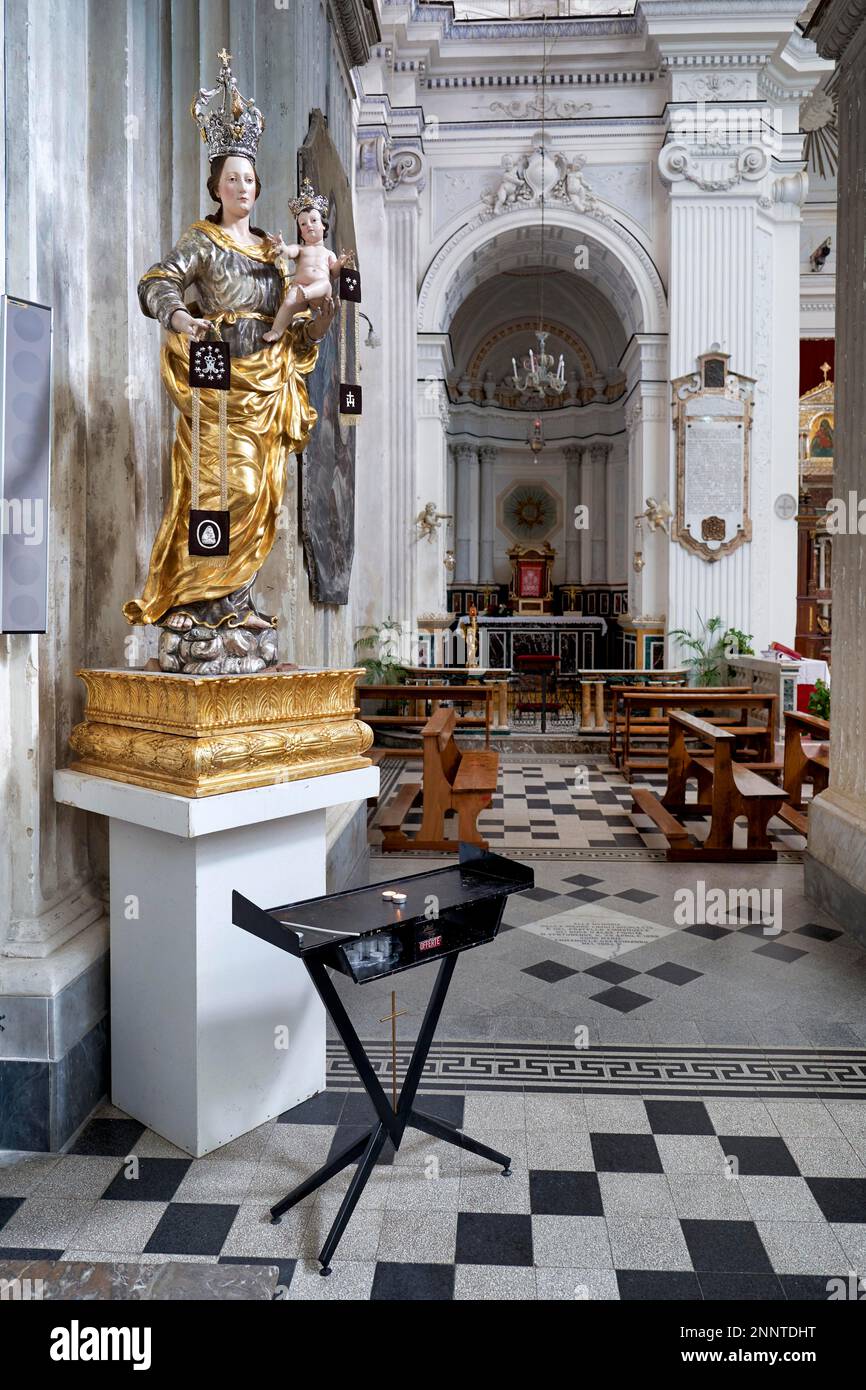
x=499 y=316
x=585 y=293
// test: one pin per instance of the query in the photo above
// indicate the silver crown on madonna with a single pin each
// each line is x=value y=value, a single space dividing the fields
x=307 y=199
x=236 y=126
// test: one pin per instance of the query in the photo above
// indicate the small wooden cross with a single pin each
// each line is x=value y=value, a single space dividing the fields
x=392 y=1019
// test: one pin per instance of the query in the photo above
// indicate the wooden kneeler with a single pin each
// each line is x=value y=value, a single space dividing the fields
x=452 y=781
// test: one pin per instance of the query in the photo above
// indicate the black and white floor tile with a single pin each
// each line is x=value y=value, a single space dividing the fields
x=565 y=804
x=610 y=1197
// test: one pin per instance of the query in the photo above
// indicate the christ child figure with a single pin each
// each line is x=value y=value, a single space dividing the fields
x=315 y=267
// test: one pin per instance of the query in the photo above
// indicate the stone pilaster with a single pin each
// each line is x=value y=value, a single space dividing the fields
x=588 y=500
x=650 y=473
x=599 y=457
x=572 y=453
x=431 y=474
x=487 y=456
x=835 y=868
x=466 y=456
x=735 y=186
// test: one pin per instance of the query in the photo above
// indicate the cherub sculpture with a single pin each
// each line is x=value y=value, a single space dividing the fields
x=429 y=520
x=315 y=264
x=511 y=186
x=658 y=514
x=577 y=190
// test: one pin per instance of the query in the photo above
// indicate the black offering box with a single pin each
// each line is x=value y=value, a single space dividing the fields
x=364 y=936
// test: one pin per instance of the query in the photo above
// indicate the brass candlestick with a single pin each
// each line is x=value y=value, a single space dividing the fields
x=392 y=1019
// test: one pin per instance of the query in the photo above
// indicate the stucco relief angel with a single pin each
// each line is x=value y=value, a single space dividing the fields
x=574 y=187
x=512 y=186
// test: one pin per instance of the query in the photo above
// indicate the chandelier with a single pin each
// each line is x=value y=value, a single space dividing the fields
x=539 y=380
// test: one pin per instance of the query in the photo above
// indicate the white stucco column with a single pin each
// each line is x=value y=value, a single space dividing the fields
x=588 y=501
x=572 y=454
x=487 y=456
x=650 y=471
x=835 y=866
x=401 y=438
x=468 y=500
x=599 y=455
x=451 y=492
x=732 y=165
x=431 y=473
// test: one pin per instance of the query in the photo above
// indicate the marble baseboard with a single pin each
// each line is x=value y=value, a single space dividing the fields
x=835 y=863
x=834 y=895
x=43 y=1103
x=44 y=1027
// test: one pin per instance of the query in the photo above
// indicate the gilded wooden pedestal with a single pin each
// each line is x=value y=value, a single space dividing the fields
x=199 y=735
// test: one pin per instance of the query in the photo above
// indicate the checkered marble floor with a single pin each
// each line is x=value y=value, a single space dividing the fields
x=611 y=1197
x=614 y=949
x=565 y=804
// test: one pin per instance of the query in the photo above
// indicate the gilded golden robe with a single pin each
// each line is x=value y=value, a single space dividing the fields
x=269 y=413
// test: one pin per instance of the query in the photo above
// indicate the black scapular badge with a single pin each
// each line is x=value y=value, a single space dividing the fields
x=209 y=368
x=208 y=532
x=350 y=285
x=210 y=365
x=350 y=399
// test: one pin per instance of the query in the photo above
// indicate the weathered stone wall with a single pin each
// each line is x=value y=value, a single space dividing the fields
x=103 y=168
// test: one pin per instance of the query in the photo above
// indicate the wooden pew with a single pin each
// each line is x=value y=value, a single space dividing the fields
x=800 y=766
x=727 y=789
x=638 y=756
x=452 y=781
x=418 y=696
x=616 y=717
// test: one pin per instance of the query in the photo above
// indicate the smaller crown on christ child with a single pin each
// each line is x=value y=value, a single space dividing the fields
x=308 y=199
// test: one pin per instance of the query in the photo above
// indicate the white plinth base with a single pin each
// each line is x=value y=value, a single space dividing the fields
x=212 y=1031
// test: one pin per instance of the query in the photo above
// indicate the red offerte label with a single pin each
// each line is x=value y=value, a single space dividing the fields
x=428 y=943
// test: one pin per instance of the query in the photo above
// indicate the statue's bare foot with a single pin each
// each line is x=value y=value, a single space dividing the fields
x=257 y=622
x=177 y=622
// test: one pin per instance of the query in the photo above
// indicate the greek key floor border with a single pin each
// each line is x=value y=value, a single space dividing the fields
x=747 y=1072
x=578 y=856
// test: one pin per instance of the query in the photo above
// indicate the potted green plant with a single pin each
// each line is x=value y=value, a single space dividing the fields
x=737 y=643
x=377 y=650
x=819 y=700
x=706 y=650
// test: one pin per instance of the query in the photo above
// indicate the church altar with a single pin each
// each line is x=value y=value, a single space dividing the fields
x=571 y=638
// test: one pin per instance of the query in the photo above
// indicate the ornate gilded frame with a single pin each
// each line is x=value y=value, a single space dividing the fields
x=713 y=379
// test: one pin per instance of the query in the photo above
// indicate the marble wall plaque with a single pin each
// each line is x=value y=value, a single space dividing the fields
x=712 y=417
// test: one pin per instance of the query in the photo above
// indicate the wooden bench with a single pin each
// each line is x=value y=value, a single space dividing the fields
x=726 y=789
x=419 y=696
x=800 y=766
x=645 y=737
x=616 y=717
x=453 y=780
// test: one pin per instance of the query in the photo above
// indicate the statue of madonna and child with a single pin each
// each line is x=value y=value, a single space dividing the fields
x=232 y=457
